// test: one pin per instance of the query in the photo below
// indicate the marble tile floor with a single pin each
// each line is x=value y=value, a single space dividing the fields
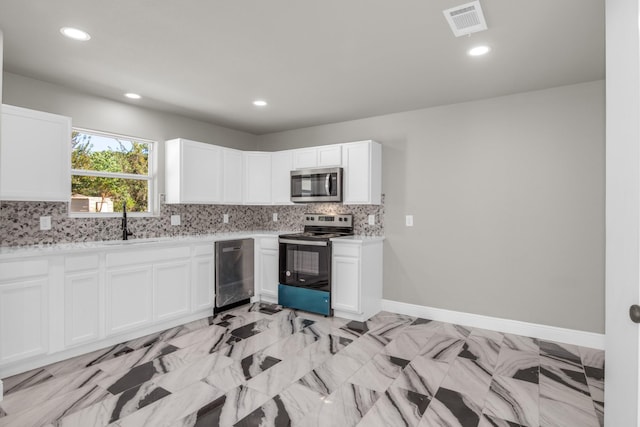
x=260 y=365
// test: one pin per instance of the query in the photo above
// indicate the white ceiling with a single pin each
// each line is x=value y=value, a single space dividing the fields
x=315 y=62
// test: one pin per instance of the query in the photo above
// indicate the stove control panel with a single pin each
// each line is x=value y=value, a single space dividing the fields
x=326 y=220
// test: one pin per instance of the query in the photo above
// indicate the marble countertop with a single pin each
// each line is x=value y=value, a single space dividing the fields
x=8 y=252
x=63 y=248
x=362 y=240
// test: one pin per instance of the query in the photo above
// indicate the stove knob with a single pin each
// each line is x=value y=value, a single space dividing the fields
x=288 y=273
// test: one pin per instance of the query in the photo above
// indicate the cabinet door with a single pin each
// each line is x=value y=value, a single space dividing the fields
x=23 y=319
x=268 y=274
x=330 y=155
x=232 y=179
x=35 y=159
x=281 y=166
x=257 y=168
x=201 y=173
x=305 y=158
x=129 y=298
x=172 y=289
x=203 y=282
x=345 y=293
x=81 y=307
x=357 y=173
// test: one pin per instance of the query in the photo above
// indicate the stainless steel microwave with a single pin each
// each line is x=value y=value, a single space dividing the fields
x=316 y=185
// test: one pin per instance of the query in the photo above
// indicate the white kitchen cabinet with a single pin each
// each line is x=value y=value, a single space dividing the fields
x=129 y=302
x=356 y=273
x=329 y=156
x=35 y=155
x=24 y=309
x=81 y=299
x=281 y=166
x=232 y=166
x=257 y=178
x=193 y=172
x=203 y=277
x=362 y=163
x=266 y=266
x=318 y=157
x=144 y=286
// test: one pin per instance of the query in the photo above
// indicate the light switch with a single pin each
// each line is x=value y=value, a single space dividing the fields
x=45 y=223
x=275 y=217
x=225 y=218
x=175 y=219
x=372 y=220
x=409 y=220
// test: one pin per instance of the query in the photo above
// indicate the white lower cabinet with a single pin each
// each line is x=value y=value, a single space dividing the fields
x=356 y=273
x=129 y=298
x=81 y=299
x=266 y=266
x=171 y=289
x=24 y=313
x=203 y=277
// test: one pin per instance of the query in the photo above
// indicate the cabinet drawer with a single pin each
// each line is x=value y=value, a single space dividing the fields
x=268 y=243
x=19 y=269
x=116 y=259
x=203 y=250
x=80 y=263
x=346 y=250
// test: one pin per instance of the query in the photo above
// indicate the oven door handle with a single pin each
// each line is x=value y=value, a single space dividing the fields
x=304 y=242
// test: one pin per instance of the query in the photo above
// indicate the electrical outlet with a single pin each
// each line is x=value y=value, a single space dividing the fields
x=175 y=219
x=45 y=223
x=225 y=218
x=275 y=217
x=409 y=220
x=372 y=220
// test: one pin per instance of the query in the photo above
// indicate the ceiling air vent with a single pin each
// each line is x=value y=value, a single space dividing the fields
x=466 y=19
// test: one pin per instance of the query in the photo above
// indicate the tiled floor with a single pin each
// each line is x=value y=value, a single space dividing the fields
x=253 y=367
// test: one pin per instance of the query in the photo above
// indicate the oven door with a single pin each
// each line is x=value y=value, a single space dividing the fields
x=305 y=263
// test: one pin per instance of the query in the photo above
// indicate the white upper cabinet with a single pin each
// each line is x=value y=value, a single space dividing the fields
x=318 y=157
x=362 y=162
x=203 y=173
x=305 y=158
x=330 y=155
x=257 y=178
x=35 y=155
x=232 y=166
x=193 y=172
x=281 y=166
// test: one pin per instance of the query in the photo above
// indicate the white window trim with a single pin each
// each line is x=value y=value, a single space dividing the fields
x=152 y=179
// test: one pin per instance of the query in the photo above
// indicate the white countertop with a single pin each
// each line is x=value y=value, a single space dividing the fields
x=359 y=240
x=7 y=252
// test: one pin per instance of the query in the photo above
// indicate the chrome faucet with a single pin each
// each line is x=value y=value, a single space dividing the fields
x=125 y=231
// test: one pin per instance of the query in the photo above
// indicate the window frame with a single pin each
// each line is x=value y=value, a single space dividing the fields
x=151 y=178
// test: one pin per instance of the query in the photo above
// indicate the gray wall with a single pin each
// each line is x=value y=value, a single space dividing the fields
x=92 y=112
x=508 y=202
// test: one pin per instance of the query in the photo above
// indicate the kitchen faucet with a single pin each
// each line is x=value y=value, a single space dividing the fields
x=125 y=231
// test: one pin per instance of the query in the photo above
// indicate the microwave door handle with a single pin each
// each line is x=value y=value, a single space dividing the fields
x=327 y=184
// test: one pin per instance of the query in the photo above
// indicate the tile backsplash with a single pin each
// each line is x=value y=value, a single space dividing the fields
x=20 y=221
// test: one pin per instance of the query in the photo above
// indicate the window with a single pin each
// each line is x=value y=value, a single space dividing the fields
x=108 y=171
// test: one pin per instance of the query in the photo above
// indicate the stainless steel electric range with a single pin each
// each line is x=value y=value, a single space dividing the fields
x=305 y=262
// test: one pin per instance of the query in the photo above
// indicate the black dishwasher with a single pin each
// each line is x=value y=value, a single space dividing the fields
x=234 y=273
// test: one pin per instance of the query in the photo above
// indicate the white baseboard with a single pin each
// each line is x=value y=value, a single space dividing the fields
x=549 y=333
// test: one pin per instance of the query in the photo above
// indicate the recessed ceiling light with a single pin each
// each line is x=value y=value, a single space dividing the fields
x=75 y=34
x=132 y=95
x=479 y=51
x=260 y=103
